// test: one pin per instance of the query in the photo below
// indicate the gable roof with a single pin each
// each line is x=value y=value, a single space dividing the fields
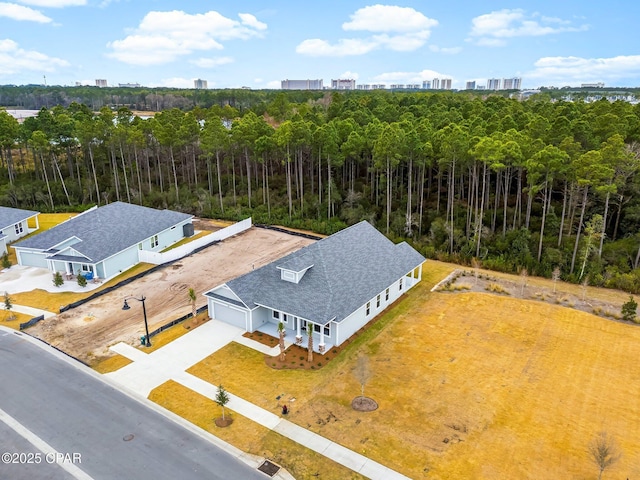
x=349 y=269
x=104 y=231
x=11 y=216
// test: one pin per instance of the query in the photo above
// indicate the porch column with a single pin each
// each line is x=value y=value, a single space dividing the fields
x=420 y=272
x=298 y=333
x=321 y=344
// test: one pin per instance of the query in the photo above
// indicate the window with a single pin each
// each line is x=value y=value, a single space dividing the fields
x=327 y=330
x=285 y=318
x=378 y=301
x=154 y=241
x=276 y=315
x=400 y=285
x=19 y=228
x=316 y=328
x=368 y=308
x=139 y=246
x=87 y=268
x=386 y=295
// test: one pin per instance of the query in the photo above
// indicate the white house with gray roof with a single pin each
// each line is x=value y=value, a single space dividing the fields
x=104 y=241
x=14 y=224
x=334 y=287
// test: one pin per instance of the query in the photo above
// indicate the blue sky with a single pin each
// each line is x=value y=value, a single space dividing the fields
x=259 y=43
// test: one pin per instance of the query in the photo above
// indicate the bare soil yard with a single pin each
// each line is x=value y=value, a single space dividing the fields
x=87 y=331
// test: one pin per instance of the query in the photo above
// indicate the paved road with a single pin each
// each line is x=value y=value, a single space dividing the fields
x=51 y=407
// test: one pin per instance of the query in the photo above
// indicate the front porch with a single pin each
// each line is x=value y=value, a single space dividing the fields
x=271 y=329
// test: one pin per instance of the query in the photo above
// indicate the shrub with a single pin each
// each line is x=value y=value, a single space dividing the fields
x=496 y=288
x=6 y=263
x=629 y=310
x=82 y=281
x=57 y=279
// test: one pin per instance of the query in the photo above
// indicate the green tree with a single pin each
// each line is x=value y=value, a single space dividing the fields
x=57 y=279
x=630 y=309
x=222 y=399
x=8 y=305
x=82 y=281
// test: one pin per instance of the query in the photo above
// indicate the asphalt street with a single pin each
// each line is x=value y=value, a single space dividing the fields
x=59 y=422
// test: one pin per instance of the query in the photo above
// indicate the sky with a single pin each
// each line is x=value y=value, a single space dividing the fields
x=256 y=44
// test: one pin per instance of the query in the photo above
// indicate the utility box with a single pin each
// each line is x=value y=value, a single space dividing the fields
x=187 y=229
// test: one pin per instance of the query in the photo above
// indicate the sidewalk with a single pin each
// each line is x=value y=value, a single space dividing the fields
x=149 y=371
x=34 y=312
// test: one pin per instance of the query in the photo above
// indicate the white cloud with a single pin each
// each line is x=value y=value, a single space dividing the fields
x=251 y=21
x=389 y=18
x=572 y=70
x=162 y=37
x=54 y=3
x=445 y=50
x=492 y=29
x=400 y=29
x=276 y=84
x=175 y=82
x=212 y=62
x=18 y=12
x=349 y=75
x=14 y=60
x=321 y=48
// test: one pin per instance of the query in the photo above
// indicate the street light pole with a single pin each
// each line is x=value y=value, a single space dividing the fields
x=147 y=342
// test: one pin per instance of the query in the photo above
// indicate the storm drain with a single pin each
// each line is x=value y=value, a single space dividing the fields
x=269 y=468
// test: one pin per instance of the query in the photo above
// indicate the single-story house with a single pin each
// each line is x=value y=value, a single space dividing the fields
x=334 y=287
x=104 y=241
x=14 y=224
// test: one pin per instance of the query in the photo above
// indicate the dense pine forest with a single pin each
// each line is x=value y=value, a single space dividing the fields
x=543 y=184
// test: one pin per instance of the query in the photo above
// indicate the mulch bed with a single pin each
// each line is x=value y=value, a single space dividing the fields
x=223 y=423
x=364 y=404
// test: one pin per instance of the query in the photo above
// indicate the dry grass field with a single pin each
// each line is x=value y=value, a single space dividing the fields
x=470 y=385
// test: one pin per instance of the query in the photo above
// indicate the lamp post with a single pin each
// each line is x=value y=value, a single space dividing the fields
x=126 y=306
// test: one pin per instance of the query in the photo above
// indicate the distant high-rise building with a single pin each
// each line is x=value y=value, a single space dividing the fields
x=343 y=84
x=471 y=85
x=363 y=86
x=200 y=84
x=378 y=86
x=511 y=83
x=493 y=84
x=435 y=83
x=129 y=85
x=592 y=85
x=101 y=82
x=426 y=84
x=302 y=84
x=414 y=86
x=445 y=84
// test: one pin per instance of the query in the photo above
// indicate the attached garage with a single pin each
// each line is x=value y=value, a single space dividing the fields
x=32 y=259
x=227 y=313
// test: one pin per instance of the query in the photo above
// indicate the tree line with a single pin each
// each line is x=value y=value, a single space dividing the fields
x=542 y=184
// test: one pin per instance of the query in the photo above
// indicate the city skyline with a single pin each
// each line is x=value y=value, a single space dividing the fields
x=258 y=44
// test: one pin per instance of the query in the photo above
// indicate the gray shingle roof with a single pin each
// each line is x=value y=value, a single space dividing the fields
x=11 y=216
x=107 y=230
x=349 y=268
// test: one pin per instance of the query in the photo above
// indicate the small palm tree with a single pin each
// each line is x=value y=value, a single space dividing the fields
x=310 y=345
x=283 y=355
x=192 y=297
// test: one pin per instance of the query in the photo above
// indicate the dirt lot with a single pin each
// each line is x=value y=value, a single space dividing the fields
x=87 y=331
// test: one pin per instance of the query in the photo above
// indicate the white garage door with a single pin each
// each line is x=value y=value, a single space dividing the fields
x=230 y=315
